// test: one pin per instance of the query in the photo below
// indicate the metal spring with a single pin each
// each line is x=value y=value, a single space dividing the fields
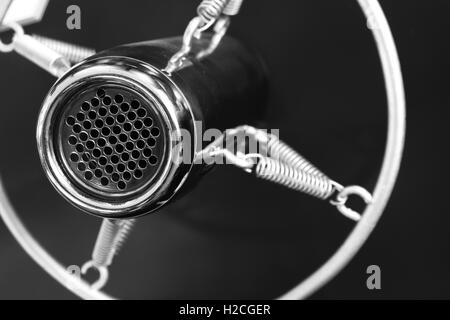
x=284 y=153
x=233 y=7
x=210 y=10
x=72 y=52
x=282 y=173
x=111 y=238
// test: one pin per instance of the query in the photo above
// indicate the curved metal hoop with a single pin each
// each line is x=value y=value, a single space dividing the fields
x=391 y=164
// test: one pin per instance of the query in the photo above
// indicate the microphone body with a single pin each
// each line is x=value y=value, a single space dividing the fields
x=112 y=131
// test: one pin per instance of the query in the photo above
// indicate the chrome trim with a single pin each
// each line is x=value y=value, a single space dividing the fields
x=173 y=108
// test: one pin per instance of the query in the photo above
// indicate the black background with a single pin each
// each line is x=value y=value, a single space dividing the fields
x=233 y=236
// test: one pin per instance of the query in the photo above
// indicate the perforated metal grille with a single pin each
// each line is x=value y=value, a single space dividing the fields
x=111 y=139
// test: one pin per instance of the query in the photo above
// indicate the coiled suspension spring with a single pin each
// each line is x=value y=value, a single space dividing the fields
x=71 y=52
x=315 y=185
x=285 y=166
x=279 y=163
x=210 y=10
x=110 y=239
x=284 y=153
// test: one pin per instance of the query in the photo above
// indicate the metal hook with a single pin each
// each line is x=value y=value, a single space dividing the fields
x=220 y=29
x=342 y=198
x=234 y=159
x=177 y=60
x=103 y=274
x=18 y=30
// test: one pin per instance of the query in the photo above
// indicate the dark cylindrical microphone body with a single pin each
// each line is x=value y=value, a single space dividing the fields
x=225 y=89
x=110 y=129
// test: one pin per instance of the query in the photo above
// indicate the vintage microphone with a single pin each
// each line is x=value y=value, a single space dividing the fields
x=109 y=130
x=173 y=97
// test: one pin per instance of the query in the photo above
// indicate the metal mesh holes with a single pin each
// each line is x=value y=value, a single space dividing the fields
x=111 y=139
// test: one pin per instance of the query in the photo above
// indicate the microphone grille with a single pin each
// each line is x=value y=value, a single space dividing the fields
x=111 y=139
